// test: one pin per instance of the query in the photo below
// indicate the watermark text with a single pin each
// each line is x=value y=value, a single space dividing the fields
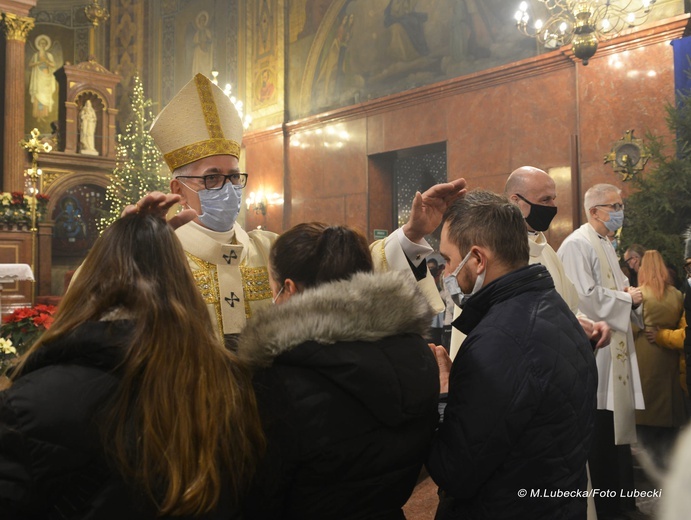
x=595 y=492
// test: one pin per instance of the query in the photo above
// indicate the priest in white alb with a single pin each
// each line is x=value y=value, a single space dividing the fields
x=591 y=263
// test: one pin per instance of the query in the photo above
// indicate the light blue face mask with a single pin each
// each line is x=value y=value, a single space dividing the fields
x=616 y=220
x=455 y=291
x=220 y=207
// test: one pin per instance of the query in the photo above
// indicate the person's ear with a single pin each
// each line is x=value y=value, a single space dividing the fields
x=176 y=188
x=291 y=288
x=480 y=257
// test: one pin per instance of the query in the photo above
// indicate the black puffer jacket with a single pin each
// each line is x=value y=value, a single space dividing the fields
x=52 y=463
x=349 y=402
x=521 y=406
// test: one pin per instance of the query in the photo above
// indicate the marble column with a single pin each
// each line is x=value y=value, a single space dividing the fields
x=16 y=29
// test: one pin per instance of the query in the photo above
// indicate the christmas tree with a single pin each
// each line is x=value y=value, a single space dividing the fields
x=139 y=164
x=658 y=213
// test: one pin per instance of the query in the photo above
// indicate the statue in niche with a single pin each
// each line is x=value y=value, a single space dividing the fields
x=87 y=129
x=203 y=54
x=42 y=83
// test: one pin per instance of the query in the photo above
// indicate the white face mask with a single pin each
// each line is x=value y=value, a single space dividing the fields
x=451 y=283
x=273 y=300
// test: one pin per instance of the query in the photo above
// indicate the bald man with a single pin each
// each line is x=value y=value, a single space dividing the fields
x=534 y=192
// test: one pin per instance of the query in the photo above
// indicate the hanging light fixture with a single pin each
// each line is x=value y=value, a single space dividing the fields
x=582 y=23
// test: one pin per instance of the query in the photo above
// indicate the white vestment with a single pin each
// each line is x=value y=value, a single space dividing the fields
x=230 y=269
x=542 y=253
x=602 y=295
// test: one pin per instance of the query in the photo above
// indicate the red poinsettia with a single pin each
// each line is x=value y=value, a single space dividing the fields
x=16 y=209
x=26 y=324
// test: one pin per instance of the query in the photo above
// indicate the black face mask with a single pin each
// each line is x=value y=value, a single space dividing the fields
x=540 y=217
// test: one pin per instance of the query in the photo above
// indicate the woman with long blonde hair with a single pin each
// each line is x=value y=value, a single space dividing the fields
x=657 y=425
x=129 y=406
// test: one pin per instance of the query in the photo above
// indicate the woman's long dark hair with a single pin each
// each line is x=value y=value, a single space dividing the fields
x=184 y=412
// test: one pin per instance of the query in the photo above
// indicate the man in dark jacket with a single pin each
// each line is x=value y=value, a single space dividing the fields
x=521 y=396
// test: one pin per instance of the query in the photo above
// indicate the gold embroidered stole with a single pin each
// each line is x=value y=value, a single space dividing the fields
x=230 y=276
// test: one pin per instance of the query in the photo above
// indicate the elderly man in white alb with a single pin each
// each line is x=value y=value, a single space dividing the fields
x=200 y=133
x=592 y=265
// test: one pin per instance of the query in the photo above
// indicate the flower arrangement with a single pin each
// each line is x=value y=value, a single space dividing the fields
x=25 y=325
x=8 y=353
x=15 y=208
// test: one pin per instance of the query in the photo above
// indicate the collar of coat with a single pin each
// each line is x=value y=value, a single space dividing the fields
x=533 y=277
x=96 y=344
x=366 y=307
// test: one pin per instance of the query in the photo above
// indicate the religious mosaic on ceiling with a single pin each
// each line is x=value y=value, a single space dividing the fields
x=363 y=49
x=343 y=52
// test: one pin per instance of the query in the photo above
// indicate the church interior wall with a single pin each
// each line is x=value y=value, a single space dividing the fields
x=330 y=105
x=547 y=111
x=346 y=51
x=263 y=160
x=628 y=90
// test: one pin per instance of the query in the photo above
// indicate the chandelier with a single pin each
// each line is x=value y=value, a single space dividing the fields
x=582 y=23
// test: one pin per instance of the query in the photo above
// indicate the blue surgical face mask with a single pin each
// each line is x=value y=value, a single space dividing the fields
x=616 y=220
x=455 y=291
x=220 y=207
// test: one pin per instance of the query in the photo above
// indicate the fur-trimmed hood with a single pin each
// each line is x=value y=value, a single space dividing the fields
x=368 y=307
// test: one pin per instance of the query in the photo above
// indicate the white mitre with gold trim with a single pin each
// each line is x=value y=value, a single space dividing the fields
x=200 y=121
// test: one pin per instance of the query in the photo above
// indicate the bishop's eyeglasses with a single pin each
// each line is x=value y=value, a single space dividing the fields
x=216 y=181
